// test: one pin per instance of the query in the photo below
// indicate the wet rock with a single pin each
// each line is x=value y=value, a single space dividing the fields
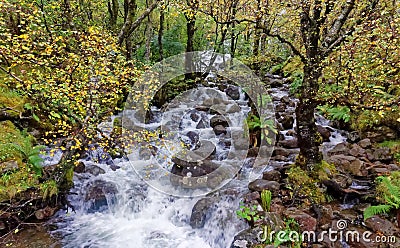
x=218 y=120
x=341 y=148
x=280 y=107
x=2 y=225
x=94 y=170
x=45 y=213
x=383 y=154
x=200 y=212
x=287 y=121
x=362 y=242
x=247 y=238
x=233 y=92
x=252 y=152
x=202 y=108
x=353 y=137
x=272 y=175
x=306 y=221
x=378 y=224
x=357 y=151
x=194 y=116
x=341 y=160
x=325 y=133
x=365 y=143
x=251 y=196
x=219 y=129
x=98 y=191
x=289 y=143
x=285 y=99
x=193 y=136
x=275 y=83
x=202 y=124
x=234 y=109
x=380 y=134
x=261 y=184
x=80 y=167
x=356 y=168
x=281 y=152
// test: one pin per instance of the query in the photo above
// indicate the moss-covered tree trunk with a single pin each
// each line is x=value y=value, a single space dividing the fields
x=306 y=129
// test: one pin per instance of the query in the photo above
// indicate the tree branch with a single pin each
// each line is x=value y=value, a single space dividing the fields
x=292 y=47
x=127 y=31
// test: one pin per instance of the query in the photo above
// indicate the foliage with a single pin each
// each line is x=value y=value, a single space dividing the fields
x=266 y=198
x=363 y=73
x=74 y=77
x=388 y=191
x=341 y=113
x=248 y=213
x=20 y=164
x=30 y=154
x=290 y=226
x=49 y=188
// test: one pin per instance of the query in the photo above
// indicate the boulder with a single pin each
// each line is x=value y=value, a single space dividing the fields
x=341 y=160
x=285 y=99
x=289 y=143
x=219 y=129
x=280 y=107
x=218 y=120
x=94 y=170
x=261 y=184
x=353 y=137
x=98 y=191
x=378 y=224
x=272 y=175
x=281 y=152
x=80 y=167
x=233 y=92
x=357 y=151
x=365 y=143
x=247 y=238
x=201 y=211
x=380 y=134
x=383 y=154
x=341 y=148
x=306 y=221
x=287 y=121
x=325 y=133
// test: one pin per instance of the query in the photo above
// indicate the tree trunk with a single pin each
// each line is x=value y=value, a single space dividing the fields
x=308 y=137
x=190 y=29
x=160 y=35
x=113 y=8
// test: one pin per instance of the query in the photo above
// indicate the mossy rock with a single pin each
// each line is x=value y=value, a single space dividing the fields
x=12 y=102
x=10 y=135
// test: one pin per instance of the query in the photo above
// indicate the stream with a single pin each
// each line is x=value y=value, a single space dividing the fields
x=116 y=207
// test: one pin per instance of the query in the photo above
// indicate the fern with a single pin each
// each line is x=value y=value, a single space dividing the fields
x=375 y=210
x=30 y=154
x=390 y=195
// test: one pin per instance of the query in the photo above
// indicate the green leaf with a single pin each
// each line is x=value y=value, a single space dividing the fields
x=35 y=117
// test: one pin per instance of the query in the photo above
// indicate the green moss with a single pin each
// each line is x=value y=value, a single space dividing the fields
x=10 y=135
x=11 y=101
x=307 y=184
x=394 y=146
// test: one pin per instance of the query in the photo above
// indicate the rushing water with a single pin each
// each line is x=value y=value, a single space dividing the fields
x=141 y=216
